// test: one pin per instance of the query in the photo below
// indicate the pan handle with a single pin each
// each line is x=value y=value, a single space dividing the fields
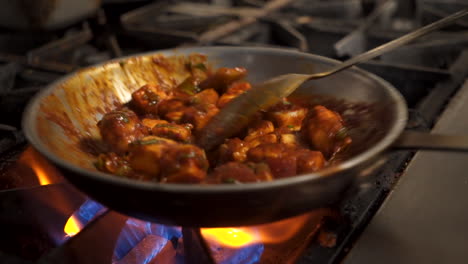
x=426 y=141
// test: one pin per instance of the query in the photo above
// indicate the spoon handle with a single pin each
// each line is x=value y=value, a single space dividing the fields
x=392 y=44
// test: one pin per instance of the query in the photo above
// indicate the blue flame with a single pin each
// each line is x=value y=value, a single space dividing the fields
x=136 y=230
x=83 y=215
x=246 y=255
x=88 y=210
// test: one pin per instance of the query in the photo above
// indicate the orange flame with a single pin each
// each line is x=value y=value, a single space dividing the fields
x=233 y=237
x=41 y=175
x=73 y=226
x=276 y=232
x=46 y=174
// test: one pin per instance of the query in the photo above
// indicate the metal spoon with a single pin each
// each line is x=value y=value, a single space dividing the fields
x=237 y=113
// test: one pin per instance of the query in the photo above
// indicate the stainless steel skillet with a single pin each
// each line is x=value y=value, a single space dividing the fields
x=60 y=123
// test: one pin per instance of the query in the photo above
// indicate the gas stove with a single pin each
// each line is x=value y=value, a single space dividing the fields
x=43 y=219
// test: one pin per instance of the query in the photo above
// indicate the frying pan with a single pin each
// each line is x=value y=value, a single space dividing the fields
x=60 y=122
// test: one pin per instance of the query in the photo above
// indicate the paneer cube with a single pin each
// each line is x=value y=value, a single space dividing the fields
x=260 y=128
x=309 y=161
x=237 y=172
x=325 y=131
x=233 y=150
x=198 y=117
x=151 y=122
x=232 y=92
x=286 y=160
x=119 y=128
x=288 y=116
x=145 y=155
x=146 y=99
x=181 y=133
x=184 y=163
x=222 y=78
x=205 y=97
x=172 y=109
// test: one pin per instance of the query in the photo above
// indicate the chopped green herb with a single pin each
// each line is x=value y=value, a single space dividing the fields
x=286 y=102
x=262 y=167
x=290 y=126
x=150 y=95
x=188 y=155
x=122 y=63
x=191 y=90
x=150 y=142
x=250 y=165
x=124 y=118
x=342 y=133
x=200 y=66
x=166 y=125
x=188 y=86
x=195 y=100
x=123 y=171
x=98 y=164
x=229 y=180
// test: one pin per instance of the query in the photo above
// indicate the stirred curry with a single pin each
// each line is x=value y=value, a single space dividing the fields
x=152 y=137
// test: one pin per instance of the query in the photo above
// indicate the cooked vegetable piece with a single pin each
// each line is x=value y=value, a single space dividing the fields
x=119 y=128
x=237 y=172
x=222 y=78
x=184 y=163
x=145 y=100
x=196 y=64
x=324 y=131
x=189 y=86
x=232 y=92
x=181 y=133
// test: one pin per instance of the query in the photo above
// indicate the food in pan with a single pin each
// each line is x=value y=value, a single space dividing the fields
x=152 y=137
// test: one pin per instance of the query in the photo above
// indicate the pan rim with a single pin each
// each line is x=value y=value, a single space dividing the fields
x=29 y=124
